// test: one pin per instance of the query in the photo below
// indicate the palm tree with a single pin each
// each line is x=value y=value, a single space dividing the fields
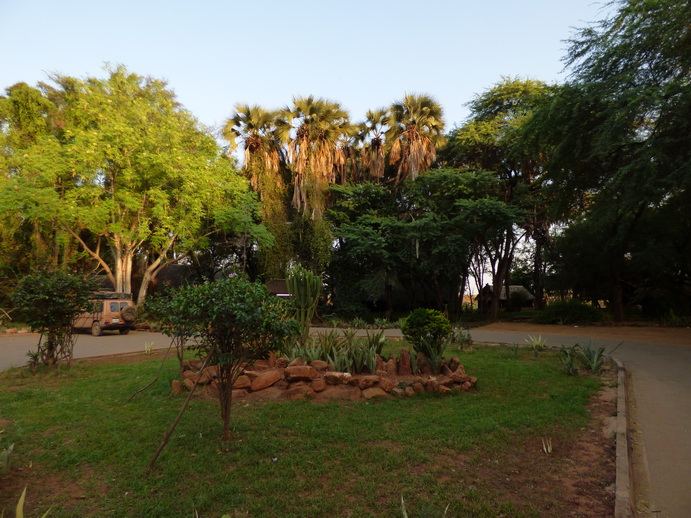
x=263 y=156
x=313 y=129
x=371 y=138
x=415 y=131
x=264 y=163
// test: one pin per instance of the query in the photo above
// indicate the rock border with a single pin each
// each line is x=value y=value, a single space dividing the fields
x=278 y=378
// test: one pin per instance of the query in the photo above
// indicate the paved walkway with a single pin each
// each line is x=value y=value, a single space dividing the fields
x=658 y=361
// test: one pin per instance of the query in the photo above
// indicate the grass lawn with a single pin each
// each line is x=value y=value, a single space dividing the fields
x=82 y=449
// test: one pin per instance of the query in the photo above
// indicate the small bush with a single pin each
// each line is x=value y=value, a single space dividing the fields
x=49 y=301
x=569 y=312
x=430 y=333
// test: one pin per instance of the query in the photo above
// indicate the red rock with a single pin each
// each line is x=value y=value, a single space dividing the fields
x=199 y=377
x=398 y=392
x=299 y=391
x=282 y=362
x=454 y=363
x=176 y=387
x=252 y=375
x=372 y=392
x=418 y=387
x=391 y=367
x=432 y=386
x=366 y=382
x=189 y=384
x=318 y=385
x=404 y=366
x=211 y=372
x=337 y=378
x=467 y=386
x=296 y=362
x=320 y=365
x=387 y=384
x=459 y=377
x=260 y=365
x=447 y=382
x=239 y=394
x=443 y=389
x=409 y=391
x=242 y=382
x=272 y=359
x=339 y=393
x=300 y=373
x=266 y=379
x=381 y=365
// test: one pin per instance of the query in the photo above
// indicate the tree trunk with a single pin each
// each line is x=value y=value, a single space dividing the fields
x=124 y=257
x=538 y=280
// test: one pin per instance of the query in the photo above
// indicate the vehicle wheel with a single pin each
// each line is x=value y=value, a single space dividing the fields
x=96 y=329
x=124 y=331
x=129 y=313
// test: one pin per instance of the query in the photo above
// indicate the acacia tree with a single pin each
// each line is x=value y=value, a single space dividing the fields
x=618 y=132
x=491 y=140
x=30 y=236
x=125 y=172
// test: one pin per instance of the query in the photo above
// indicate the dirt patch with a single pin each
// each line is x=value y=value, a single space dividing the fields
x=576 y=479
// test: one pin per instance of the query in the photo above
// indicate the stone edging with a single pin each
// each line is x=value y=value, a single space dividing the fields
x=623 y=507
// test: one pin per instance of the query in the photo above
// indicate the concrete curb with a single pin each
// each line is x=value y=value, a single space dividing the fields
x=623 y=497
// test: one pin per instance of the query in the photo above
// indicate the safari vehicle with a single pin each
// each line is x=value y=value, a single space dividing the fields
x=111 y=311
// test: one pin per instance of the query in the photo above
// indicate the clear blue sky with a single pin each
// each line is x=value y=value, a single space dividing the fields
x=363 y=54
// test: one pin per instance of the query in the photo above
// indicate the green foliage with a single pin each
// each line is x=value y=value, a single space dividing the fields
x=593 y=359
x=569 y=312
x=344 y=351
x=510 y=408
x=49 y=302
x=19 y=511
x=536 y=343
x=305 y=288
x=234 y=321
x=5 y=458
x=618 y=139
x=120 y=168
x=429 y=331
x=569 y=357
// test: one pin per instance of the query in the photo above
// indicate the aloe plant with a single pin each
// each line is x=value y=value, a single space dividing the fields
x=591 y=358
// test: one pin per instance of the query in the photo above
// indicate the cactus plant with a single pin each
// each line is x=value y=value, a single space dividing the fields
x=305 y=288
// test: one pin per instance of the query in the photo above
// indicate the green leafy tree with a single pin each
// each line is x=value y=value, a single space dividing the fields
x=126 y=172
x=491 y=140
x=618 y=133
x=30 y=234
x=49 y=301
x=235 y=323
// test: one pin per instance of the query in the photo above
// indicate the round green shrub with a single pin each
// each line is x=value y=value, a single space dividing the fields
x=426 y=323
